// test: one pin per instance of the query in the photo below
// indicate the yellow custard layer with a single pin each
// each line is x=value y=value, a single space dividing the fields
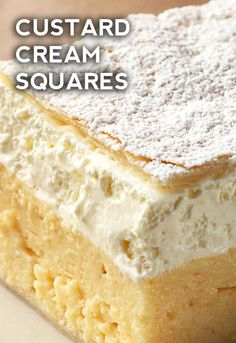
x=143 y=228
x=85 y=294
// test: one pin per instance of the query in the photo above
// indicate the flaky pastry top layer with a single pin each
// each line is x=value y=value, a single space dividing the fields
x=178 y=116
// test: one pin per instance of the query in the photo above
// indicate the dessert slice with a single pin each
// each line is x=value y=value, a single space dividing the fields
x=117 y=210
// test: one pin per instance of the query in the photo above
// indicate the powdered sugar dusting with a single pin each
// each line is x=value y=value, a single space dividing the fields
x=179 y=111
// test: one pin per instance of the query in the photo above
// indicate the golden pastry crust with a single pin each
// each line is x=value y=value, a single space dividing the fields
x=176 y=120
x=188 y=178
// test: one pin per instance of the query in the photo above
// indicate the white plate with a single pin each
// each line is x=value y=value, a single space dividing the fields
x=20 y=323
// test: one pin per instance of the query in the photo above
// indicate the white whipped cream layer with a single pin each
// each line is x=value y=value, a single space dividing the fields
x=144 y=230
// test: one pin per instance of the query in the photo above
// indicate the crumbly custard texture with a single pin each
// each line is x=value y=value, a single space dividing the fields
x=83 y=292
x=145 y=230
x=181 y=97
x=61 y=273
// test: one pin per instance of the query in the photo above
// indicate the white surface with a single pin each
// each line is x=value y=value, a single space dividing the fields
x=181 y=98
x=89 y=191
x=21 y=324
